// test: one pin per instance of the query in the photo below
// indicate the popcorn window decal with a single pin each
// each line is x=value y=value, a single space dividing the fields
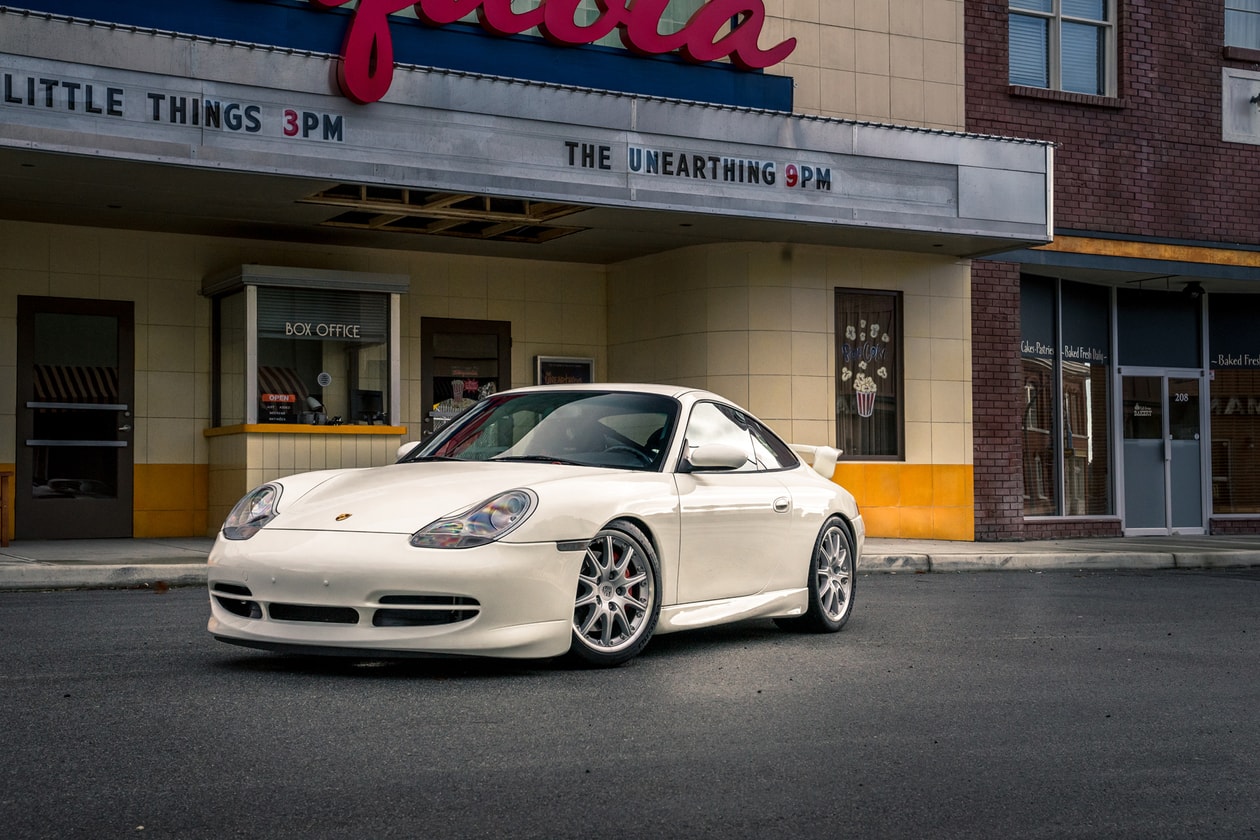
x=867 y=345
x=868 y=377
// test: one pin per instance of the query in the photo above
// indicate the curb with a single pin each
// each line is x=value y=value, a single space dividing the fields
x=25 y=578
x=1104 y=561
x=1048 y=562
x=894 y=564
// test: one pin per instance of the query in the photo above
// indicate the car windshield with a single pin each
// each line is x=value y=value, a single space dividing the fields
x=618 y=429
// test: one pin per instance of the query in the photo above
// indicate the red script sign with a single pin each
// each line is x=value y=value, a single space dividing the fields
x=367 y=65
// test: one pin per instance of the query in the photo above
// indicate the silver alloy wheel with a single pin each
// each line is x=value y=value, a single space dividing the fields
x=833 y=571
x=616 y=594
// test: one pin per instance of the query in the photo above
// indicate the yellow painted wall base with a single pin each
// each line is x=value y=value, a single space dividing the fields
x=913 y=501
x=898 y=501
x=170 y=500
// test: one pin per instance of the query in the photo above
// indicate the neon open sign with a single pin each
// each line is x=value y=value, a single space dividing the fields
x=367 y=65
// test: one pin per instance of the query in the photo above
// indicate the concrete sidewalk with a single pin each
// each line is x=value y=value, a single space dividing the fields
x=103 y=564
x=90 y=564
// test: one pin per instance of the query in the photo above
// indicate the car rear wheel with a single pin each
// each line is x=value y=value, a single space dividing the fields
x=832 y=583
x=618 y=597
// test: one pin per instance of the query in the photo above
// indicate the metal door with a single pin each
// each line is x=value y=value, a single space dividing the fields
x=74 y=418
x=1162 y=450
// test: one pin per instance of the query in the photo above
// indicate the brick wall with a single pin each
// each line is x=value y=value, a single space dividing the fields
x=996 y=406
x=1149 y=162
x=997 y=409
x=1235 y=526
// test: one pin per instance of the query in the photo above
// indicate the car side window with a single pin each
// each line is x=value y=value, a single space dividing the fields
x=713 y=423
x=773 y=453
x=710 y=424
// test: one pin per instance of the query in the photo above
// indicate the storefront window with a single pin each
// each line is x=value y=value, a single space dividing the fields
x=1086 y=400
x=292 y=348
x=1067 y=397
x=868 y=374
x=1235 y=404
x=1039 y=421
x=1158 y=329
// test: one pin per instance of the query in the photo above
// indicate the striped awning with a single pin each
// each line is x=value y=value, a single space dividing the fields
x=76 y=384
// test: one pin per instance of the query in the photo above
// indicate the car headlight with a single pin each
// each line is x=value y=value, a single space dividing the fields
x=484 y=523
x=258 y=508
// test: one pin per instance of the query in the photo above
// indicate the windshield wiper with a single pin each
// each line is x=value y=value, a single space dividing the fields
x=540 y=459
x=425 y=458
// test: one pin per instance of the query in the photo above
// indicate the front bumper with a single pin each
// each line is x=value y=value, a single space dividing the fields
x=320 y=591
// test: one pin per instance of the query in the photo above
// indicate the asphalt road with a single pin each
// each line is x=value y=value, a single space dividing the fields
x=1006 y=705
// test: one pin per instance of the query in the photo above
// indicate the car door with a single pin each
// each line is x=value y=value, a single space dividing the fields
x=735 y=524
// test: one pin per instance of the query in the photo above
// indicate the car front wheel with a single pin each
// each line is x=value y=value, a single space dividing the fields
x=618 y=597
x=832 y=583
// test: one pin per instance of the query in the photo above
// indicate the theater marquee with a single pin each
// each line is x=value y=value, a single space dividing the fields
x=525 y=140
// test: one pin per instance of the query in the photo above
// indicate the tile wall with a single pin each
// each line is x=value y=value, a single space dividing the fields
x=555 y=309
x=754 y=323
x=893 y=61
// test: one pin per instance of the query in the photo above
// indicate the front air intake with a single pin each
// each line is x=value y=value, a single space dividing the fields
x=242 y=607
x=425 y=610
x=313 y=613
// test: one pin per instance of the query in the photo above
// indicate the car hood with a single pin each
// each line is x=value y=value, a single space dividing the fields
x=402 y=498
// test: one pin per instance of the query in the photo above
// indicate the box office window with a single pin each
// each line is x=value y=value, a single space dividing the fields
x=869 y=407
x=323 y=357
x=314 y=356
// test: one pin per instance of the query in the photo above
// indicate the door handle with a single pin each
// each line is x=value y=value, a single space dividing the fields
x=782 y=505
x=125 y=428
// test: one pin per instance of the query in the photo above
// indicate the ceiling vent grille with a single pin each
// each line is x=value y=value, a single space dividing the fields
x=490 y=218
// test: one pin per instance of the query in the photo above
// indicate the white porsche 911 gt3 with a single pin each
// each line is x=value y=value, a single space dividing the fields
x=544 y=521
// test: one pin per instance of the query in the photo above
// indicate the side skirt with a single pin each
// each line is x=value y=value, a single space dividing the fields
x=778 y=604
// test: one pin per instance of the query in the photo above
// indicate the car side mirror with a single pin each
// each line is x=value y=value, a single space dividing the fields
x=715 y=456
x=407 y=448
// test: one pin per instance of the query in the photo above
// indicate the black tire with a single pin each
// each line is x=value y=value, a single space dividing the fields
x=618 y=598
x=832 y=582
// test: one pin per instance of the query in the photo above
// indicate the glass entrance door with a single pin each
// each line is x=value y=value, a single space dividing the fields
x=75 y=390
x=1163 y=452
x=461 y=360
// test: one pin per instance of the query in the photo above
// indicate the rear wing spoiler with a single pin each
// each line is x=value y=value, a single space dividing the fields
x=821 y=458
